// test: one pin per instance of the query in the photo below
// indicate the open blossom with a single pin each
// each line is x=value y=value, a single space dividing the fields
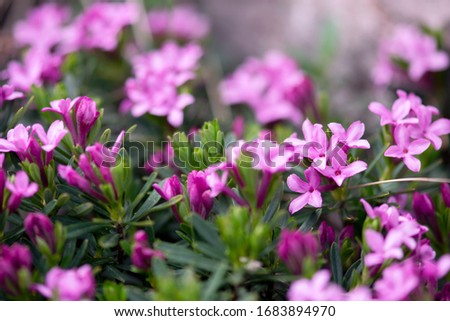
x=339 y=172
x=181 y=22
x=68 y=285
x=158 y=78
x=319 y=288
x=309 y=190
x=20 y=188
x=13 y=259
x=142 y=254
x=406 y=149
x=350 y=137
x=38 y=225
x=38 y=67
x=42 y=26
x=98 y=26
x=172 y=187
x=199 y=193
x=400 y=113
x=295 y=247
x=7 y=93
x=17 y=140
x=274 y=87
x=414 y=47
x=398 y=281
x=54 y=135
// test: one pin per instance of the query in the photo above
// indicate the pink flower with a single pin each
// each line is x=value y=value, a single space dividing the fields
x=142 y=254
x=319 y=288
x=86 y=115
x=273 y=83
x=42 y=27
x=339 y=172
x=411 y=45
x=13 y=259
x=309 y=190
x=20 y=188
x=172 y=187
x=68 y=285
x=38 y=67
x=39 y=226
x=98 y=26
x=182 y=22
x=295 y=247
x=405 y=149
x=383 y=248
x=350 y=137
x=445 y=191
x=428 y=129
x=158 y=77
x=7 y=93
x=17 y=140
x=398 y=281
x=54 y=135
x=199 y=193
x=400 y=109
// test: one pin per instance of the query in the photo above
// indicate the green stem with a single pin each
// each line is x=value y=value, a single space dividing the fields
x=400 y=180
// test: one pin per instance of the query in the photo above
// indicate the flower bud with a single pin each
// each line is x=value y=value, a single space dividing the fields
x=86 y=115
x=142 y=252
x=38 y=225
x=198 y=192
x=12 y=260
x=68 y=285
x=445 y=190
x=326 y=235
x=295 y=247
x=424 y=211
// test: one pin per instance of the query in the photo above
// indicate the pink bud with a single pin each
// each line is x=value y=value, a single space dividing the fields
x=445 y=190
x=12 y=260
x=86 y=115
x=38 y=225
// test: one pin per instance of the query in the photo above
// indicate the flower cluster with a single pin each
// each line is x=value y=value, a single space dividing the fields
x=159 y=75
x=412 y=126
x=412 y=47
x=274 y=82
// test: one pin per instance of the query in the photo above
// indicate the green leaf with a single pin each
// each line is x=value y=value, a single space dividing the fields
x=80 y=253
x=215 y=282
x=109 y=241
x=82 y=210
x=146 y=207
x=142 y=193
x=80 y=229
x=207 y=232
x=311 y=220
x=274 y=205
x=336 y=264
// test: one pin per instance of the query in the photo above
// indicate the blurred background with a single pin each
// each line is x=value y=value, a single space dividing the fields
x=336 y=40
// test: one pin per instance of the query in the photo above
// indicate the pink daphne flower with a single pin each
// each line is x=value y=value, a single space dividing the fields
x=172 y=187
x=350 y=137
x=142 y=254
x=17 y=140
x=398 y=281
x=7 y=93
x=414 y=47
x=68 y=285
x=199 y=193
x=42 y=26
x=155 y=89
x=339 y=172
x=400 y=109
x=319 y=288
x=54 y=135
x=181 y=22
x=309 y=190
x=274 y=87
x=39 y=66
x=405 y=149
x=428 y=129
x=20 y=188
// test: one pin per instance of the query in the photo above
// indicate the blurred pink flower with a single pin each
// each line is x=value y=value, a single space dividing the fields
x=309 y=190
x=54 y=135
x=273 y=87
x=398 y=281
x=415 y=48
x=400 y=109
x=13 y=259
x=68 y=285
x=20 y=188
x=7 y=93
x=319 y=288
x=181 y=22
x=428 y=129
x=405 y=149
x=142 y=254
x=42 y=27
x=39 y=226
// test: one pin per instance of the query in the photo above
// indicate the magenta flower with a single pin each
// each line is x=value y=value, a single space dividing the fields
x=326 y=235
x=64 y=107
x=20 y=188
x=39 y=226
x=42 y=26
x=68 y=285
x=319 y=288
x=199 y=193
x=309 y=190
x=445 y=191
x=398 y=281
x=72 y=177
x=273 y=83
x=17 y=140
x=400 y=109
x=424 y=212
x=13 y=259
x=54 y=135
x=181 y=22
x=7 y=93
x=295 y=247
x=86 y=115
x=142 y=254
x=383 y=248
x=350 y=137
x=172 y=187
x=411 y=45
x=405 y=149
x=38 y=67
x=339 y=172
x=428 y=129
x=155 y=89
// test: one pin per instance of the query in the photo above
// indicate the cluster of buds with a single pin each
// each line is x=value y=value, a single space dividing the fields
x=15 y=269
x=142 y=254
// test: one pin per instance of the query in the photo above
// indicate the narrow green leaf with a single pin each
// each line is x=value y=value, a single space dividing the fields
x=215 y=282
x=336 y=264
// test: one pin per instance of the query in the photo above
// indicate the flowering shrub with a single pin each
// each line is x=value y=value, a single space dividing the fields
x=291 y=204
